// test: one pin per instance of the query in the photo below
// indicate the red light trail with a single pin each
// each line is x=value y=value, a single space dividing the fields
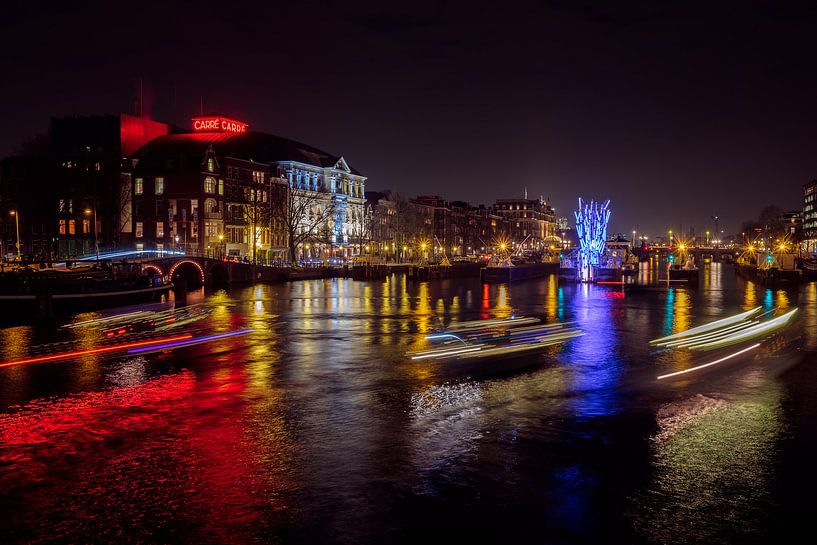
x=77 y=353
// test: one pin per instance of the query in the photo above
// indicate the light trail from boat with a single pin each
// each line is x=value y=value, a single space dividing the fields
x=189 y=342
x=699 y=367
x=708 y=327
x=105 y=349
x=746 y=334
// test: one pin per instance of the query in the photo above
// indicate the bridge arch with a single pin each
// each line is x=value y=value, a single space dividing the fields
x=189 y=270
x=155 y=268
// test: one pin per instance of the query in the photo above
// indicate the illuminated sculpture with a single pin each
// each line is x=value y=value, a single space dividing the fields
x=591 y=227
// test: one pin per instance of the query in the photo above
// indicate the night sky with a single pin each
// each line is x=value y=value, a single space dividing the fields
x=675 y=111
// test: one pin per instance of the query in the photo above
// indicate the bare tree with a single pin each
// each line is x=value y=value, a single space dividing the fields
x=257 y=214
x=305 y=216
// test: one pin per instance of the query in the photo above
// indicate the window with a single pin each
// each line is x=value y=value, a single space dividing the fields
x=72 y=227
x=211 y=165
x=160 y=209
x=220 y=186
x=139 y=231
x=138 y=186
x=160 y=229
x=86 y=226
x=62 y=227
x=209 y=184
x=160 y=186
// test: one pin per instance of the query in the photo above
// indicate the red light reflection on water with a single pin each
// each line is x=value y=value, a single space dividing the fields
x=180 y=446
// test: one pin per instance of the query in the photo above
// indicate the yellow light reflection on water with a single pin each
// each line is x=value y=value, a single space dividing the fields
x=552 y=299
x=422 y=311
x=502 y=308
x=750 y=296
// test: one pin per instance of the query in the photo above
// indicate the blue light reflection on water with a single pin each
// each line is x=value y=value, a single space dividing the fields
x=593 y=358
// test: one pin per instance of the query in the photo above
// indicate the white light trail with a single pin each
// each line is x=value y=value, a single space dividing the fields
x=691 y=369
x=707 y=327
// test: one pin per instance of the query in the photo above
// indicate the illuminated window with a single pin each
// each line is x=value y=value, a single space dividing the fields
x=138 y=186
x=62 y=227
x=211 y=165
x=72 y=227
x=160 y=229
x=86 y=226
x=160 y=186
x=139 y=231
x=220 y=186
x=209 y=184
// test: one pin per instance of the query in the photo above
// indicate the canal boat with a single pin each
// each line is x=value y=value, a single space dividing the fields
x=47 y=291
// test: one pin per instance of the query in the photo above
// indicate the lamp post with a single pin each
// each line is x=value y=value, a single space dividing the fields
x=220 y=241
x=17 y=223
x=88 y=212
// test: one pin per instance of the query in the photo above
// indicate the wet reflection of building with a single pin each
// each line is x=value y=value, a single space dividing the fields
x=749 y=295
x=503 y=308
x=554 y=299
x=808 y=307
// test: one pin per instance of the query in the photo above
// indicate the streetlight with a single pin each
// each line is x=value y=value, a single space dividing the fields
x=88 y=212
x=17 y=222
x=220 y=241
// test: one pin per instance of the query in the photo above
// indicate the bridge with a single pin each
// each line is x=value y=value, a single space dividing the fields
x=698 y=253
x=197 y=271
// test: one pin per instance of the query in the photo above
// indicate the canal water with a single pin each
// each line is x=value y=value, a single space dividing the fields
x=316 y=428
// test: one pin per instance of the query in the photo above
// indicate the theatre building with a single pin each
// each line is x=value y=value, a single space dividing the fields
x=223 y=189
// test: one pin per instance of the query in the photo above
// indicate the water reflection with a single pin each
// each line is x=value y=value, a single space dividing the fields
x=315 y=426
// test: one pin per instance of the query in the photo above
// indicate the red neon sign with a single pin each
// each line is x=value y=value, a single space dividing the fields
x=214 y=123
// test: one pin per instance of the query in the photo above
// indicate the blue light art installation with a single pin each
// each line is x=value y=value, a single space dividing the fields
x=591 y=227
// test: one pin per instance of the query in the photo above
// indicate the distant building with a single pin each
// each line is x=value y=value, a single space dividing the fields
x=79 y=173
x=792 y=222
x=531 y=222
x=809 y=229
